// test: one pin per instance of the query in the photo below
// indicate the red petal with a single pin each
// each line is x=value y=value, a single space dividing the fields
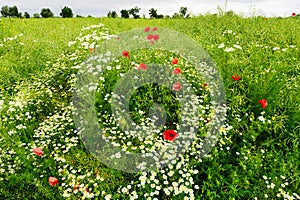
x=156 y=37
x=147 y=29
x=263 y=103
x=53 y=181
x=170 y=135
x=38 y=151
x=235 y=77
x=126 y=54
x=142 y=66
x=175 y=61
x=155 y=28
x=177 y=71
x=150 y=37
x=177 y=86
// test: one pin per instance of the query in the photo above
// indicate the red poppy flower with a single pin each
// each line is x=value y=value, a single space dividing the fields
x=174 y=61
x=142 y=66
x=38 y=151
x=87 y=190
x=150 y=37
x=53 y=181
x=170 y=135
x=263 y=103
x=156 y=37
x=177 y=71
x=205 y=85
x=126 y=54
x=294 y=14
x=147 y=29
x=235 y=77
x=155 y=28
x=177 y=86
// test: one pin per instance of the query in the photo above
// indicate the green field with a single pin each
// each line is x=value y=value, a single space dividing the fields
x=256 y=156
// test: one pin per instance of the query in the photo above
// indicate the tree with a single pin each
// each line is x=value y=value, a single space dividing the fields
x=176 y=16
x=160 y=16
x=114 y=14
x=13 y=11
x=10 y=11
x=153 y=13
x=36 y=15
x=135 y=12
x=183 y=11
x=26 y=15
x=20 y=15
x=46 y=13
x=5 y=11
x=66 y=12
x=124 y=14
x=109 y=14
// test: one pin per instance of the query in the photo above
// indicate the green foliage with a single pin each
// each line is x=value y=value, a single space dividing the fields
x=124 y=13
x=153 y=13
x=36 y=15
x=26 y=15
x=112 y=14
x=183 y=11
x=47 y=13
x=66 y=12
x=7 y=11
x=134 y=12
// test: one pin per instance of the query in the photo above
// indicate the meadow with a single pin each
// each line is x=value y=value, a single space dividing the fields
x=256 y=155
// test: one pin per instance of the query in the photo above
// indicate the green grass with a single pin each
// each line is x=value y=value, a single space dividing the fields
x=37 y=79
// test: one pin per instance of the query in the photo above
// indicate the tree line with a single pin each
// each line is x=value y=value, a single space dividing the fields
x=66 y=12
x=13 y=12
x=134 y=13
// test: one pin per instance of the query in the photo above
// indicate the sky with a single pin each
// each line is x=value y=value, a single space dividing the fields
x=98 y=8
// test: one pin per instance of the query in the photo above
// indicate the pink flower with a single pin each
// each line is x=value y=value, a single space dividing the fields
x=53 y=181
x=38 y=151
x=177 y=71
x=174 y=61
x=126 y=54
x=177 y=86
x=235 y=77
x=155 y=28
x=147 y=29
x=170 y=135
x=263 y=103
